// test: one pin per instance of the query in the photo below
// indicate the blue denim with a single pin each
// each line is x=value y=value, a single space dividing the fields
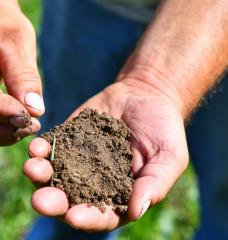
x=83 y=47
x=207 y=140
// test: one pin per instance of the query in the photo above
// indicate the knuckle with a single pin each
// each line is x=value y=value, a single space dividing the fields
x=28 y=77
x=15 y=28
x=11 y=34
x=6 y=102
x=179 y=157
x=14 y=36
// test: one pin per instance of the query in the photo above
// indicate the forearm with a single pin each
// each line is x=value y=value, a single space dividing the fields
x=183 y=51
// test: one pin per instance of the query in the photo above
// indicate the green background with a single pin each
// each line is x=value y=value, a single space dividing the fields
x=175 y=218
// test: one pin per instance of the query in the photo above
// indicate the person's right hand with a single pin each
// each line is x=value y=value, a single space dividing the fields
x=159 y=148
x=19 y=72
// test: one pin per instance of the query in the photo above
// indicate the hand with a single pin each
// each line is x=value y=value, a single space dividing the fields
x=160 y=156
x=20 y=75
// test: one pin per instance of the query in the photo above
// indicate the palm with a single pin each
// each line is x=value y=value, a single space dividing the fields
x=158 y=145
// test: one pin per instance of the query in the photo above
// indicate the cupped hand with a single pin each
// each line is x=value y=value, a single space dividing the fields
x=159 y=148
x=19 y=72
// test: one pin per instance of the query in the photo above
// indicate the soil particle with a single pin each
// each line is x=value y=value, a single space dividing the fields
x=92 y=160
x=27 y=119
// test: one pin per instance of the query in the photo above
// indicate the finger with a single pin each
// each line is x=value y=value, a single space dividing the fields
x=38 y=170
x=39 y=148
x=6 y=135
x=50 y=201
x=13 y=112
x=19 y=68
x=91 y=219
x=139 y=159
x=31 y=129
x=154 y=182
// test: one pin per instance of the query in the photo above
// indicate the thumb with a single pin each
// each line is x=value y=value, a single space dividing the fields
x=19 y=68
x=155 y=180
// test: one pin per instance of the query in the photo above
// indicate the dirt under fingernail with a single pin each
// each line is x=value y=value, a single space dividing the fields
x=92 y=162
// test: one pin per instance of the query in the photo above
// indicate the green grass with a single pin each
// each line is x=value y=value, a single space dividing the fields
x=32 y=9
x=15 y=192
x=174 y=219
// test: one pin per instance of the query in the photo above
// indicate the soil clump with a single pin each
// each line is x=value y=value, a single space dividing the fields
x=92 y=160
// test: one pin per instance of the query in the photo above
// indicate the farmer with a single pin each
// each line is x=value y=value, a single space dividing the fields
x=179 y=58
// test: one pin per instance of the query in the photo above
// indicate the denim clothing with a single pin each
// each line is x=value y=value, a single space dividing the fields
x=137 y=10
x=207 y=140
x=83 y=47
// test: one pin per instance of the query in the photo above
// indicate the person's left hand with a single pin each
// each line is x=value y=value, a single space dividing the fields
x=23 y=102
x=160 y=156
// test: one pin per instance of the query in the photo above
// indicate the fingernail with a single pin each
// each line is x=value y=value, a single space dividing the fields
x=17 y=121
x=35 y=101
x=144 y=208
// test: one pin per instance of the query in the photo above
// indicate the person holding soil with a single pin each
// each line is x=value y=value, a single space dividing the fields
x=178 y=58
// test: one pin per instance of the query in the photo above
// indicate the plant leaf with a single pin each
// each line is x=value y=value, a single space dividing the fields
x=53 y=149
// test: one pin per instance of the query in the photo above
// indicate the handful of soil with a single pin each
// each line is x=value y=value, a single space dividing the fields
x=92 y=160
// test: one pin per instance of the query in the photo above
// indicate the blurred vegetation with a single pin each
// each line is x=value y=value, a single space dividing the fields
x=15 y=190
x=174 y=219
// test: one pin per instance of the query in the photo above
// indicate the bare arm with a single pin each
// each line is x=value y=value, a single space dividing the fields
x=184 y=50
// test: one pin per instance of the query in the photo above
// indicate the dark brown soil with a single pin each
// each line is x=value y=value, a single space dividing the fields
x=92 y=162
x=27 y=118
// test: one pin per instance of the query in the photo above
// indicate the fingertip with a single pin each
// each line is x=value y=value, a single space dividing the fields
x=50 y=201
x=38 y=170
x=36 y=122
x=29 y=130
x=34 y=112
x=34 y=104
x=140 y=197
x=91 y=219
x=17 y=121
x=77 y=215
x=39 y=147
x=134 y=212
